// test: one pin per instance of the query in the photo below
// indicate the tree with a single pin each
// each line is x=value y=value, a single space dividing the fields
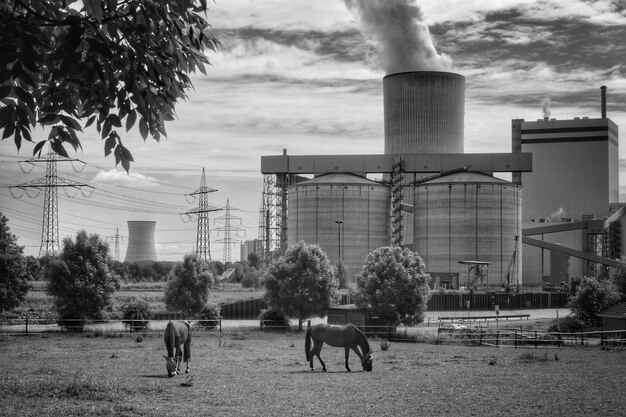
x=254 y=260
x=188 y=287
x=393 y=285
x=620 y=282
x=13 y=268
x=109 y=62
x=136 y=315
x=81 y=280
x=301 y=284
x=593 y=296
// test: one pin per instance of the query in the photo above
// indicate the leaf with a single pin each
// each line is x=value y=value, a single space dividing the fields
x=110 y=143
x=5 y=91
x=130 y=120
x=8 y=130
x=49 y=119
x=70 y=122
x=143 y=128
x=94 y=9
x=90 y=121
x=57 y=147
x=114 y=120
x=25 y=96
x=38 y=147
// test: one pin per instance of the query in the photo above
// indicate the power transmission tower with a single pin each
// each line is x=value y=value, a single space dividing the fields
x=116 y=239
x=273 y=220
x=203 y=242
x=50 y=184
x=228 y=229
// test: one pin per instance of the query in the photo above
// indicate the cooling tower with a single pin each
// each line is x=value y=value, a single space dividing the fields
x=316 y=205
x=468 y=216
x=140 y=241
x=424 y=112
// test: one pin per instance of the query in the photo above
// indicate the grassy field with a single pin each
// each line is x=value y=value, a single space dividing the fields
x=250 y=373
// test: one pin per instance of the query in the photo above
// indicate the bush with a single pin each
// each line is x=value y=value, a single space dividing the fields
x=568 y=324
x=135 y=315
x=209 y=317
x=274 y=319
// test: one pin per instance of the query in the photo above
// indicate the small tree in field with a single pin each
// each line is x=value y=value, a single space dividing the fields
x=188 y=287
x=13 y=268
x=393 y=285
x=593 y=296
x=136 y=315
x=81 y=280
x=301 y=284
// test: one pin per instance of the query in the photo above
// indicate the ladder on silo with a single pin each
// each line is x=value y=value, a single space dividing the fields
x=397 y=195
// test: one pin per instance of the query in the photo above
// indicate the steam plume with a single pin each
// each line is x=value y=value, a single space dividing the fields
x=404 y=41
x=545 y=107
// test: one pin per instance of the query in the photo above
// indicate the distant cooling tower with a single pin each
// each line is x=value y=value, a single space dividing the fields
x=424 y=112
x=140 y=241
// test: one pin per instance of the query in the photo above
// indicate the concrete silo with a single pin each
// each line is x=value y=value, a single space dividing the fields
x=468 y=216
x=424 y=112
x=140 y=241
x=362 y=206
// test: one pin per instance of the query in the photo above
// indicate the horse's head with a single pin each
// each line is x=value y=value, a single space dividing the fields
x=367 y=362
x=170 y=365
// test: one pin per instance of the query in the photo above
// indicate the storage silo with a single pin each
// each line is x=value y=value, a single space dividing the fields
x=424 y=112
x=468 y=216
x=140 y=241
x=346 y=214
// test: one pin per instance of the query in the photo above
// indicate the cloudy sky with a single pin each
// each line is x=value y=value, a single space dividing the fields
x=306 y=76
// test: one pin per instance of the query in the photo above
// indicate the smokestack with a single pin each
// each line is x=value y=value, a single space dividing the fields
x=603 y=99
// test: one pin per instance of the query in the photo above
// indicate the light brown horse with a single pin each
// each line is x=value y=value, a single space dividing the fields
x=347 y=336
x=178 y=343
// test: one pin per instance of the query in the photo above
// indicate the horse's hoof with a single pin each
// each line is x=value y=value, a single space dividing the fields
x=324 y=369
x=187 y=371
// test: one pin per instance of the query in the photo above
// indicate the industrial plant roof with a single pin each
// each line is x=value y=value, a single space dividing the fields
x=466 y=177
x=340 y=178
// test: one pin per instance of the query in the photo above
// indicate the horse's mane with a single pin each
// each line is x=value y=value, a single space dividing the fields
x=364 y=341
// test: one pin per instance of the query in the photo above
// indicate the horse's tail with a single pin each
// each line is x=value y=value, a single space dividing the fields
x=307 y=345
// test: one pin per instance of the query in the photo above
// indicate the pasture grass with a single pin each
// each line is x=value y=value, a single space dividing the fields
x=252 y=373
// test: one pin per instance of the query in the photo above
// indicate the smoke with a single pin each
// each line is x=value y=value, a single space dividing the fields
x=403 y=39
x=545 y=107
x=558 y=215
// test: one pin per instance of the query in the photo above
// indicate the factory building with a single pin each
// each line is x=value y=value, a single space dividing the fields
x=434 y=198
x=571 y=197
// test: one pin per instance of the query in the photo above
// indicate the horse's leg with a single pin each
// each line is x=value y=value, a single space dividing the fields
x=347 y=348
x=187 y=354
x=179 y=358
x=316 y=352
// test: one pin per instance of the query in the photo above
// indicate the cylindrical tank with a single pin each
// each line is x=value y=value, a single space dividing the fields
x=469 y=216
x=424 y=112
x=346 y=214
x=140 y=241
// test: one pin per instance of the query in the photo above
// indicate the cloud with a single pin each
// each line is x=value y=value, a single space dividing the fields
x=133 y=179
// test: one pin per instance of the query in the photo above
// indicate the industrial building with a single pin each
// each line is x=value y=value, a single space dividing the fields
x=447 y=205
x=140 y=241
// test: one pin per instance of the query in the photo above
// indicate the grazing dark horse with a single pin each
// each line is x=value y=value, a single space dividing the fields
x=347 y=336
x=177 y=340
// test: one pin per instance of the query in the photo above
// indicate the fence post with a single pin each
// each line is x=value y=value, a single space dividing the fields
x=26 y=325
x=535 y=339
x=497 y=338
x=220 y=324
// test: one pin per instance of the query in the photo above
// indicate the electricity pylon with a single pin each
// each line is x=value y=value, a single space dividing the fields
x=228 y=230
x=50 y=184
x=116 y=238
x=203 y=242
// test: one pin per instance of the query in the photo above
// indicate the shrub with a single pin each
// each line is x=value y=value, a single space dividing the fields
x=135 y=315
x=209 y=317
x=274 y=320
x=568 y=324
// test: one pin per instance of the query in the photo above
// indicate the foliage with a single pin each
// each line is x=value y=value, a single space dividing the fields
x=251 y=278
x=136 y=315
x=13 y=268
x=112 y=63
x=620 y=282
x=81 y=281
x=274 y=319
x=301 y=283
x=593 y=296
x=188 y=287
x=568 y=324
x=393 y=285
x=209 y=316
x=342 y=275
x=254 y=260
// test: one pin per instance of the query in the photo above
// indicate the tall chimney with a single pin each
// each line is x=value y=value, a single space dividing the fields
x=603 y=95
